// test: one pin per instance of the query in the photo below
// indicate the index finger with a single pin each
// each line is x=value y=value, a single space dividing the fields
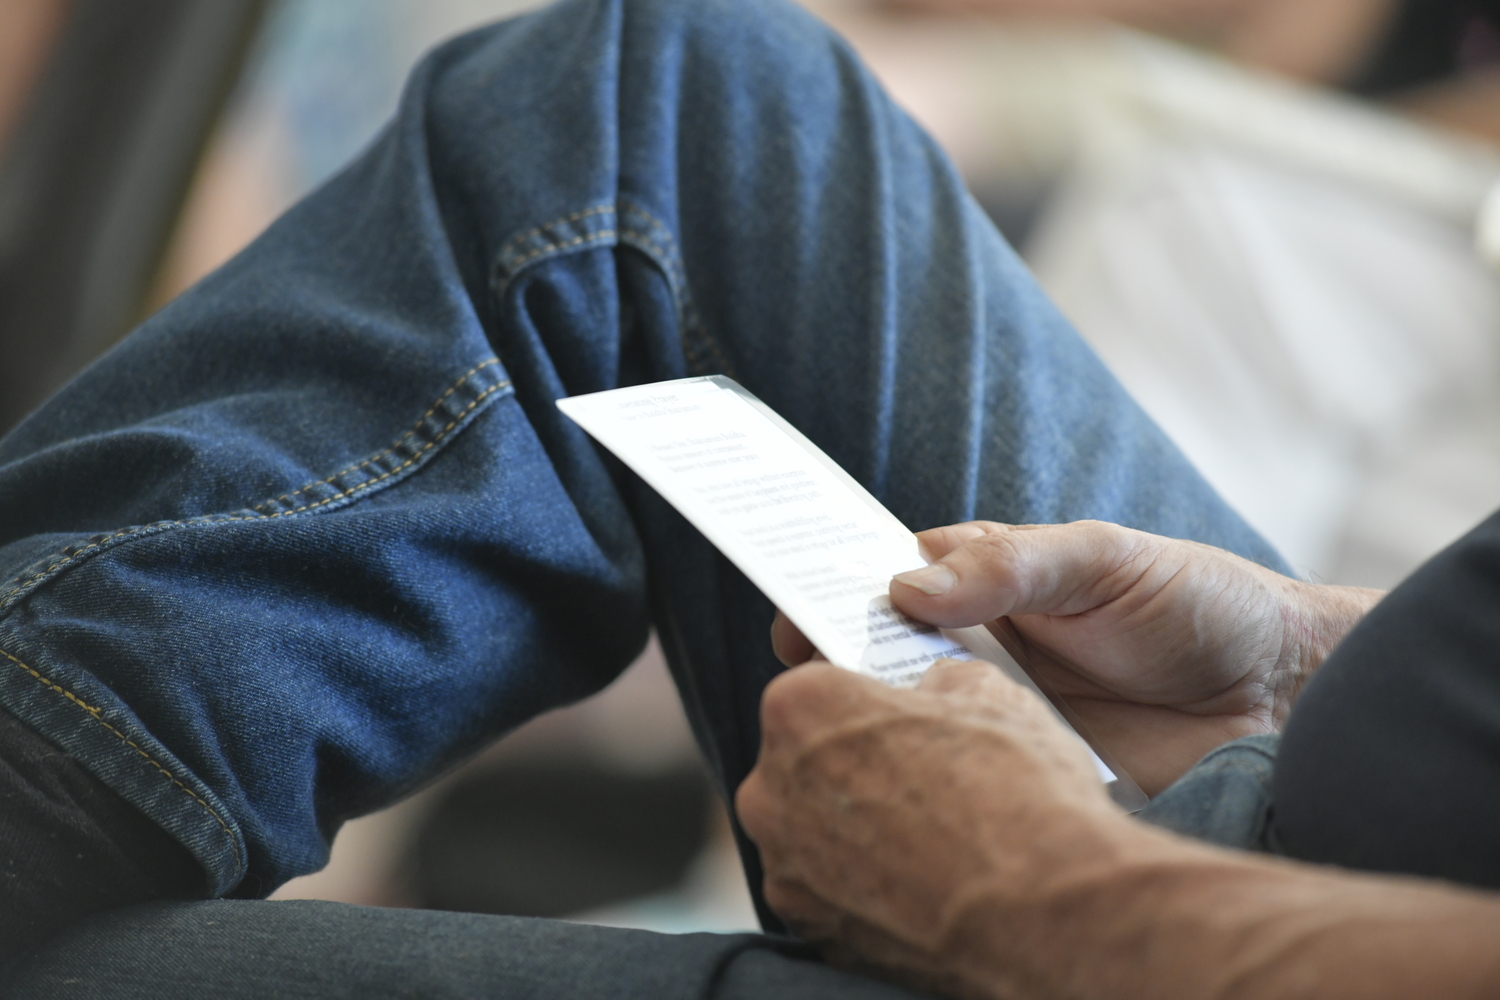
x=788 y=643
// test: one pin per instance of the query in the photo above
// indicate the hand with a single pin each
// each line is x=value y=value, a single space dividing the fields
x=1165 y=648
x=882 y=814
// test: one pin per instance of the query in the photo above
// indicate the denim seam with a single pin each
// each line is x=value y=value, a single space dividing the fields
x=539 y=230
x=656 y=241
x=600 y=236
x=368 y=483
x=416 y=428
x=28 y=584
x=97 y=714
x=692 y=323
x=25 y=585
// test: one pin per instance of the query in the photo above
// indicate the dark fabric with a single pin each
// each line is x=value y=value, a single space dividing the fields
x=244 y=949
x=70 y=847
x=554 y=836
x=95 y=173
x=1391 y=758
x=1426 y=41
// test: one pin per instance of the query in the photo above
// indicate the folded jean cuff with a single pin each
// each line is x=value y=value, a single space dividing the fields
x=112 y=745
x=1225 y=798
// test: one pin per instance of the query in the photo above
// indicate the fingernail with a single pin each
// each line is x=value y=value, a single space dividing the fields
x=930 y=580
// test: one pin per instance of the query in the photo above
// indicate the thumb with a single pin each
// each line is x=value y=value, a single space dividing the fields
x=1060 y=569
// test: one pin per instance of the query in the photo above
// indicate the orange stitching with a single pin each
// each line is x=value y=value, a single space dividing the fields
x=596 y=210
x=670 y=251
x=97 y=714
x=554 y=247
x=219 y=518
x=404 y=465
x=398 y=443
x=669 y=256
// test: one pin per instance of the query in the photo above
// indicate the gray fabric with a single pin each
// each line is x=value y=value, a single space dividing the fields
x=1225 y=799
x=243 y=949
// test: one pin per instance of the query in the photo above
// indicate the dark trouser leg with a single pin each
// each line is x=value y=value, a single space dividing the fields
x=251 y=950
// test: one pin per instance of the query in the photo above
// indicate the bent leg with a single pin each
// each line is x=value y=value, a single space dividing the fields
x=316 y=531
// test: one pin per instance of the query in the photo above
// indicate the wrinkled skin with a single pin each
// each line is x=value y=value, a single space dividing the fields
x=1165 y=648
x=955 y=838
x=969 y=773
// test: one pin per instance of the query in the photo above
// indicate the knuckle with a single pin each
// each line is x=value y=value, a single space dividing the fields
x=779 y=700
x=1000 y=553
x=797 y=698
x=952 y=674
x=971 y=671
x=753 y=807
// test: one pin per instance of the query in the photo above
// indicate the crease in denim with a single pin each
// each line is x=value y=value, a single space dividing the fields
x=73 y=554
x=576 y=231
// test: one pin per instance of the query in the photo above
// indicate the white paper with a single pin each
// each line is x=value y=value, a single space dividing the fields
x=805 y=532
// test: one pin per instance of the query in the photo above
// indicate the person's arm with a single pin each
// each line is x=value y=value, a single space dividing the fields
x=955 y=838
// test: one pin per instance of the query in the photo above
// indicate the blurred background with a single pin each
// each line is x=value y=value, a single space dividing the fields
x=1272 y=218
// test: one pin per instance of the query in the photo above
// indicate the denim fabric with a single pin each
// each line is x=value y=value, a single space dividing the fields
x=1225 y=799
x=316 y=532
x=70 y=847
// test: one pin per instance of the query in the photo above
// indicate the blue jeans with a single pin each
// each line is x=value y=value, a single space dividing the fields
x=315 y=532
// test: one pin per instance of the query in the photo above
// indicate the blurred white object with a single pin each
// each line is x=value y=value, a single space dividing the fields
x=1487 y=228
x=1285 y=279
x=1301 y=340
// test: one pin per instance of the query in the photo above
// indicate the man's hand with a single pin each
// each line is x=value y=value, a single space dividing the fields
x=881 y=815
x=1165 y=648
x=955 y=838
